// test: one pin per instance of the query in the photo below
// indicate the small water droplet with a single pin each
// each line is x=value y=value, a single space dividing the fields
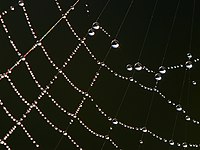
x=91 y=32
x=115 y=43
x=141 y=142
x=187 y=118
x=184 y=145
x=171 y=142
x=188 y=64
x=178 y=107
x=95 y=25
x=129 y=67
x=162 y=70
x=189 y=55
x=12 y=8
x=131 y=79
x=106 y=137
x=114 y=121
x=194 y=82
x=144 y=129
x=38 y=43
x=158 y=76
x=21 y=3
x=138 y=66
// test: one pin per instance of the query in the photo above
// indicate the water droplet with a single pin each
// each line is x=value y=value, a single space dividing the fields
x=162 y=69
x=178 y=107
x=144 y=129
x=141 y=142
x=131 y=79
x=184 y=145
x=115 y=43
x=18 y=123
x=129 y=67
x=158 y=76
x=138 y=66
x=12 y=8
x=38 y=43
x=106 y=137
x=171 y=142
x=95 y=25
x=21 y=3
x=114 y=121
x=187 y=118
x=91 y=32
x=194 y=82
x=189 y=55
x=64 y=133
x=188 y=64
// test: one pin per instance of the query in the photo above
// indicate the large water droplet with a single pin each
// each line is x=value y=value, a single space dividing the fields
x=188 y=64
x=189 y=55
x=158 y=76
x=171 y=142
x=95 y=25
x=162 y=70
x=21 y=3
x=138 y=66
x=91 y=32
x=178 y=107
x=115 y=43
x=114 y=121
x=129 y=67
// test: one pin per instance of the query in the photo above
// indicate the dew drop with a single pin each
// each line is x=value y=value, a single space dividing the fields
x=144 y=129
x=187 y=118
x=194 y=82
x=171 y=142
x=114 y=121
x=138 y=66
x=95 y=25
x=115 y=43
x=141 y=142
x=188 y=64
x=12 y=8
x=162 y=69
x=189 y=55
x=184 y=145
x=91 y=32
x=106 y=137
x=129 y=67
x=21 y=3
x=158 y=76
x=178 y=107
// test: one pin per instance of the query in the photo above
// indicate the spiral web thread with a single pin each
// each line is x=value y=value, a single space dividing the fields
x=85 y=93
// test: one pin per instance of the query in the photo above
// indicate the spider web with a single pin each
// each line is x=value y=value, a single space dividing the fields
x=64 y=81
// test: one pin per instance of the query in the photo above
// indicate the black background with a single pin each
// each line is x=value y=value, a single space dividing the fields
x=108 y=90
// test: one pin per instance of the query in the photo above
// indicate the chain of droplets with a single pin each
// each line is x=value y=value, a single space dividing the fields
x=2 y=142
x=60 y=71
x=40 y=44
x=18 y=123
x=6 y=74
x=95 y=26
x=91 y=33
x=138 y=66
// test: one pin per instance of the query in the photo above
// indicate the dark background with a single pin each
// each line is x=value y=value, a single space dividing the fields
x=108 y=90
